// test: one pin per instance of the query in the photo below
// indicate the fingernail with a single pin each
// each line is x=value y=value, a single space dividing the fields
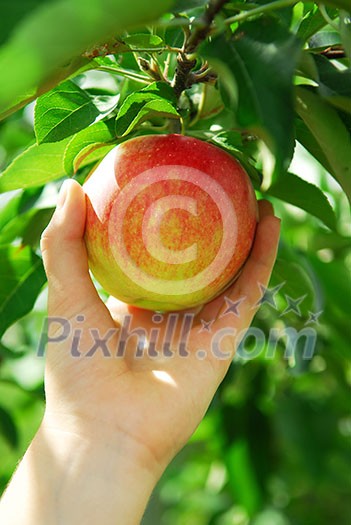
x=63 y=194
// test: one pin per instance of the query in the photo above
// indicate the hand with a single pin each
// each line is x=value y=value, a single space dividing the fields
x=116 y=421
x=155 y=402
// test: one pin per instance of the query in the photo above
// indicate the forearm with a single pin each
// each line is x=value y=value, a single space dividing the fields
x=66 y=479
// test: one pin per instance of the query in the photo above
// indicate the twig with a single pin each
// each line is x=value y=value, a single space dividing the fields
x=203 y=26
x=186 y=60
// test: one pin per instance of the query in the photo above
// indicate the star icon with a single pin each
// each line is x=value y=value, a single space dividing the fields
x=206 y=326
x=268 y=295
x=293 y=304
x=313 y=317
x=232 y=306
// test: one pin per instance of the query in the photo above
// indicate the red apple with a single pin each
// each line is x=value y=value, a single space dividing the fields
x=170 y=221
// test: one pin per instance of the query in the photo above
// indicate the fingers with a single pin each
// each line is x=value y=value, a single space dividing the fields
x=64 y=253
x=257 y=270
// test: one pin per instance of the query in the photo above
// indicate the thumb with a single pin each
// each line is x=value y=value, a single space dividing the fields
x=64 y=254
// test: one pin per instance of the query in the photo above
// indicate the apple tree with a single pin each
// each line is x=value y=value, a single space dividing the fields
x=270 y=83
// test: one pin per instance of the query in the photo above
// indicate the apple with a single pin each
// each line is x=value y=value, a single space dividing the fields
x=170 y=221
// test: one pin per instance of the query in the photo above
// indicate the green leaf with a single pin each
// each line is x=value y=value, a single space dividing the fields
x=153 y=109
x=324 y=39
x=345 y=31
x=63 y=111
x=334 y=85
x=34 y=167
x=57 y=32
x=308 y=141
x=158 y=99
x=12 y=13
x=27 y=226
x=232 y=142
x=90 y=154
x=294 y=190
x=99 y=133
x=330 y=133
x=22 y=277
x=261 y=58
x=20 y=203
x=314 y=22
x=144 y=41
x=8 y=428
x=297 y=283
x=335 y=277
x=73 y=67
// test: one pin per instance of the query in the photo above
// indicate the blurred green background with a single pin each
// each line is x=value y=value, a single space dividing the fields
x=275 y=445
x=274 y=448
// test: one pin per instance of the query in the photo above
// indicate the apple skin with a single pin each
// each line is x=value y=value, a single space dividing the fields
x=170 y=221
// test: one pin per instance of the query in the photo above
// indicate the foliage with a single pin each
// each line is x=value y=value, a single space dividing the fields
x=270 y=82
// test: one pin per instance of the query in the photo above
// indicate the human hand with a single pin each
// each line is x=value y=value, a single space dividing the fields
x=116 y=415
x=155 y=397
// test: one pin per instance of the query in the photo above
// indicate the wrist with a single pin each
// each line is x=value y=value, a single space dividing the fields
x=74 y=478
x=98 y=437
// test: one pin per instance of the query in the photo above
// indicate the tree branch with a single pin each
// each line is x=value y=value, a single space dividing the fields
x=186 y=62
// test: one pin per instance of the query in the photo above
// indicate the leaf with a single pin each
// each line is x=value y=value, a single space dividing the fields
x=158 y=99
x=91 y=153
x=52 y=35
x=8 y=428
x=34 y=167
x=294 y=190
x=63 y=111
x=22 y=276
x=99 y=133
x=308 y=141
x=231 y=141
x=324 y=39
x=28 y=226
x=73 y=67
x=12 y=13
x=153 y=109
x=16 y=227
x=144 y=41
x=335 y=277
x=297 y=284
x=314 y=22
x=261 y=58
x=330 y=133
x=345 y=31
x=334 y=85
x=20 y=203
x=35 y=226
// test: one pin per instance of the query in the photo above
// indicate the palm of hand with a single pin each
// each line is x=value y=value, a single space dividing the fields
x=152 y=398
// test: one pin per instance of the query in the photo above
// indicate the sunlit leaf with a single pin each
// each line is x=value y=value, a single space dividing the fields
x=34 y=167
x=63 y=111
x=8 y=428
x=158 y=99
x=22 y=277
x=294 y=190
x=261 y=60
x=330 y=132
x=50 y=36
x=99 y=133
